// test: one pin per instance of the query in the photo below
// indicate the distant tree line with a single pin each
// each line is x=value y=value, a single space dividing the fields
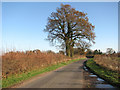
x=86 y=51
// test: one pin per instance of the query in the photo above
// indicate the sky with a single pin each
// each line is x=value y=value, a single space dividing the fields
x=23 y=24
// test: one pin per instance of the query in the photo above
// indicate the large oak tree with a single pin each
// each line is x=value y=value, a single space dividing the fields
x=67 y=26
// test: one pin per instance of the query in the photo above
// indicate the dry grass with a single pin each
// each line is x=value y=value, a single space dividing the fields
x=21 y=62
x=108 y=61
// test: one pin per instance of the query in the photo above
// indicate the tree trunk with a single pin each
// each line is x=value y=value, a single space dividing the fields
x=67 y=48
x=71 y=51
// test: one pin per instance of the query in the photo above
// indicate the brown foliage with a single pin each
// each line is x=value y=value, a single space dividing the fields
x=21 y=62
x=67 y=26
x=108 y=61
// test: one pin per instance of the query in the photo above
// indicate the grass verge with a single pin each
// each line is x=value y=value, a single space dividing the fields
x=14 y=79
x=108 y=75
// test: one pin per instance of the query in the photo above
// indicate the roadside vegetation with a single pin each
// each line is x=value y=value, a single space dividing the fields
x=19 y=66
x=110 y=62
x=105 y=67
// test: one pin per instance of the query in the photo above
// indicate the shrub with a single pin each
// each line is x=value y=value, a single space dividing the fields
x=109 y=61
x=22 y=62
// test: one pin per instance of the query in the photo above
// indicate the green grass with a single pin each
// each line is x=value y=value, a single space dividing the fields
x=110 y=76
x=14 y=79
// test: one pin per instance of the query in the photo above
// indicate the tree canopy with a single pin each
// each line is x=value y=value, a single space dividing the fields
x=67 y=26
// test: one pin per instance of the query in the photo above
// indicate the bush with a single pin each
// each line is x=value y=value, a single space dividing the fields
x=108 y=61
x=22 y=62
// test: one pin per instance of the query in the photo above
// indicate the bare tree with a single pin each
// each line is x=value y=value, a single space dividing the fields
x=67 y=26
x=82 y=45
x=110 y=51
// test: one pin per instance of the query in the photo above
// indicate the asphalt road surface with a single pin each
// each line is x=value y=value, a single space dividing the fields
x=70 y=76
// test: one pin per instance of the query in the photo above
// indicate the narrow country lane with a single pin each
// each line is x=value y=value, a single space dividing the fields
x=70 y=76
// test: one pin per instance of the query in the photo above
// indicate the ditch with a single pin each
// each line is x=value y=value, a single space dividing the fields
x=93 y=81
